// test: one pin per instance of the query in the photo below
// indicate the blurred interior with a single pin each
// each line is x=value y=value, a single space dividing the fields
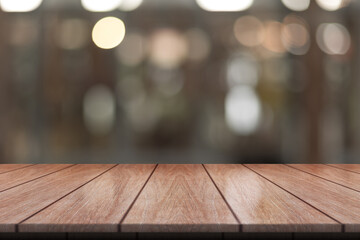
x=185 y=81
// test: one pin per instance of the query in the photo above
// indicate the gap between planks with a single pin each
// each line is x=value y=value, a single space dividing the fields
x=342 y=225
x=223 y=197
x=36 y=177
x=326 y=179
x=331 y=165
x=17 y=225
x=137 y=196
x=17 y=168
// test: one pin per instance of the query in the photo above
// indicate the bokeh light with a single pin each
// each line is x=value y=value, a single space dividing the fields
x=295 y=35
x=100 y=5
x=242 y=110
x=108 y=32
x=332 y=5
x=130 y=5
x=198 y=44
x=333 y=38
x=296 y=5
x=168 y=48
x=73 y=34
x=174 y=71
x=249 y=31
x=224 y=5
x=242 y=69
x=19 y=5
x=99 y=110
x=132 y=50
x=273 y=40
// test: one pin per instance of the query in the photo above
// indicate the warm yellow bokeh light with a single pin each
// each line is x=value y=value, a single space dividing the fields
x=168 y=48
x=249 y=31
x=272 y=40
x=108 y=32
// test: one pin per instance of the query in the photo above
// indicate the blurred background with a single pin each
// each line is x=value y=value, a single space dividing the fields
x=186 y=81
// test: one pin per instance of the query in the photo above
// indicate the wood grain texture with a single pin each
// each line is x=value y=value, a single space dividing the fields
x=21 y=202
x=179 y=198
x=261 y=206
x=98 y=206
x=22 y=175
x=336 y=201
x=343 y=177
x=11 y=167
x=349 y=167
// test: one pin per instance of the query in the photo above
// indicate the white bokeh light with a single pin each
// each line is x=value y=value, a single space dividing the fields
x=224 y=5
x=100 y=5
x=296 y=5
x=130 y=5
x=19 y=5
x=330 y=5
x=242 y=110
x=333 y=38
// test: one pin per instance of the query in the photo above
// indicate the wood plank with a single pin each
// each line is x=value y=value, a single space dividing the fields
x=180 y=198
x=336 y=201
x=261 y=206
x=343 y=177
x=11 y=167
x=23 y=201
x=350 y=167
x=23 y=175
x=96 y=207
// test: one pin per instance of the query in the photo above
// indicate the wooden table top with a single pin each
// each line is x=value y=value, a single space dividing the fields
x=179 y=198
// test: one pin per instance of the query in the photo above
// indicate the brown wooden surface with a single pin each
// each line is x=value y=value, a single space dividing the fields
x=350 y=167
x=11 y=167
x=336 y=175
x=261 y=206
x=340 y=203
x=21 y=202
x=180 y=198
x=23 y=175
x=98 y=206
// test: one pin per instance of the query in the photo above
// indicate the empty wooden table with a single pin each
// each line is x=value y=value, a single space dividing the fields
x=179 y=198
